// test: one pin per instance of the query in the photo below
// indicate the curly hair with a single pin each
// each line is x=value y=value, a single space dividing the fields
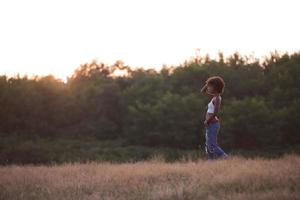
x=217 y=82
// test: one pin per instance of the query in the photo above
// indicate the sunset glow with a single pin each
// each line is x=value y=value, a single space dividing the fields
x=42 y=37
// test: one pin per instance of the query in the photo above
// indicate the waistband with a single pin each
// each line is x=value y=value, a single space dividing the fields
x=214 y=120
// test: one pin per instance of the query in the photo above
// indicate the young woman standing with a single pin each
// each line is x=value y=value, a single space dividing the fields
x=213 y=88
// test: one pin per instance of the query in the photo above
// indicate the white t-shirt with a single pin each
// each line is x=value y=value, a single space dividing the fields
x=211 y=106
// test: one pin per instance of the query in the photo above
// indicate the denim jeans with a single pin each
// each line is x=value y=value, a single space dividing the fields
x=211 y=147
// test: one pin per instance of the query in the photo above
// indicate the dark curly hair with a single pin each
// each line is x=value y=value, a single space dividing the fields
x=217 y=82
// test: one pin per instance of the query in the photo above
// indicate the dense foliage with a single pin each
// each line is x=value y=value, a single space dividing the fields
x=260 y=107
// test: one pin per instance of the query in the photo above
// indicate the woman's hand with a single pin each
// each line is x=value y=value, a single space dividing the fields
x=205 y=92
x=205 y=123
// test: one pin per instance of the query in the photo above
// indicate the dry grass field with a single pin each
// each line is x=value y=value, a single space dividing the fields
x=235 y=178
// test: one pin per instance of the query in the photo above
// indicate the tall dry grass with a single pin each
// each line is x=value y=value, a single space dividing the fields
x=236 y=178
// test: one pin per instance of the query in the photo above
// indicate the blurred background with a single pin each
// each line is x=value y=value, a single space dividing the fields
x=120 y=80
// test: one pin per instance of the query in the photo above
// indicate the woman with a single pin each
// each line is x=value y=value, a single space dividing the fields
x=213 y=88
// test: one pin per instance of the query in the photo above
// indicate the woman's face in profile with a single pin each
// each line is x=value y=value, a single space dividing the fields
x=210 y=89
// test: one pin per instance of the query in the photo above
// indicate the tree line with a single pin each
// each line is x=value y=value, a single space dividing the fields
x=160 y=108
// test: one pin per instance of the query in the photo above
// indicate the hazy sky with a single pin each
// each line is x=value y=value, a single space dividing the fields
x=56 y=36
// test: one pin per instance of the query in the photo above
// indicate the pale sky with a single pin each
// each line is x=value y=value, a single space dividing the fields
x=56 y=36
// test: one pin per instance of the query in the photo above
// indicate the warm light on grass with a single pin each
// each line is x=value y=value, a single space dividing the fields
x=236 y=178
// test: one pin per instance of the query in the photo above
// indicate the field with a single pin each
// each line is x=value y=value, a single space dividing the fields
x=235 y=178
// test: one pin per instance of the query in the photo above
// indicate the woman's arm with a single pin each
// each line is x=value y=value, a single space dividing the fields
x=204 y=91
x=204 y=88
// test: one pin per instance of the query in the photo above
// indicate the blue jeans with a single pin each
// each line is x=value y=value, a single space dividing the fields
x=211 y=146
